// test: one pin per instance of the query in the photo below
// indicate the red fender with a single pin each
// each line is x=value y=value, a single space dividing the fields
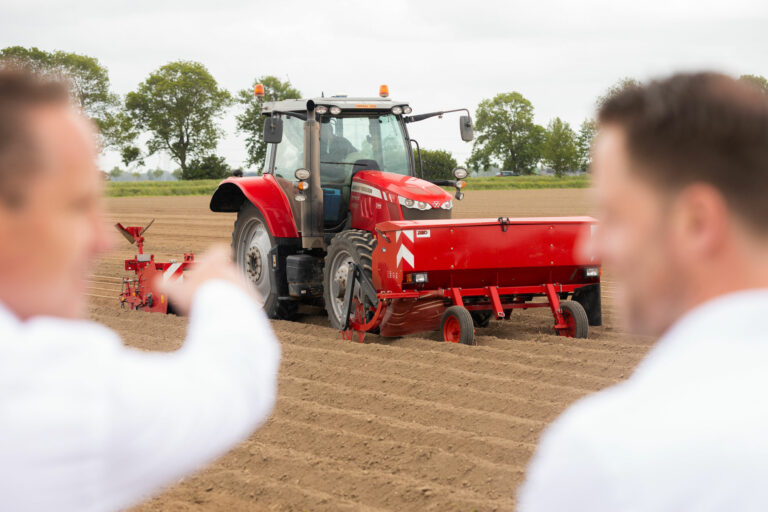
x=266 y=194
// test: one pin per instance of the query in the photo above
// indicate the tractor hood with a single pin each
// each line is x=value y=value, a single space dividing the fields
x=398 y=188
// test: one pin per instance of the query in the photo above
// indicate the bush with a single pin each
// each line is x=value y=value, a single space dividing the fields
x=211 y=167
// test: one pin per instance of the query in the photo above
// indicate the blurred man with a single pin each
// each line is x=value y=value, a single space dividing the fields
x=85 y=423
x=681 y=175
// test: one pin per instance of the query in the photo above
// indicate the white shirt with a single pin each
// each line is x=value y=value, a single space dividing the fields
x=688 y=430
x=87 y=424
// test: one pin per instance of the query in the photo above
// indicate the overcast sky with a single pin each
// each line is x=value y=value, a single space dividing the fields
x=435 y=54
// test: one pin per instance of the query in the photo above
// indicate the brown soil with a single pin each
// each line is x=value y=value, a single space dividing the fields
x=404 y=424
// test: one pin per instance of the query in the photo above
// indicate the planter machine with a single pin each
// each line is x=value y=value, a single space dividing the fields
x=339 y=218
x=139 y=292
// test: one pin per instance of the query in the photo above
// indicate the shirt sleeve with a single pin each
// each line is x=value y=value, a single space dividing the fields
x=169 y=413
x=567 y=472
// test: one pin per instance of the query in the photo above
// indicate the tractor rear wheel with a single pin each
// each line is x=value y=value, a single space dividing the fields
x=349 y=246
x=457 y=326
x=251 y=245
x=575 y=318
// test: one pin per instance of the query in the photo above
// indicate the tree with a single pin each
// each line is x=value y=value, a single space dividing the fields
x=176 y=174
x=251 y=123
x=177 y=106
x=758 y=81
x=115 y=173
x=506 y=133
x=157 y=173
x=624 y=83
x=208 y=168
x=584 y=139
x=89 y=82
x=560 y=151
x=438 y=164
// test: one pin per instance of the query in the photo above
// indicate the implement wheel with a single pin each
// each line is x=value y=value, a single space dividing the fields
x=457 y=326
x=576 y=320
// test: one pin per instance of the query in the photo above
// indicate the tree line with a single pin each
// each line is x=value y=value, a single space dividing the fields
x=177 y=108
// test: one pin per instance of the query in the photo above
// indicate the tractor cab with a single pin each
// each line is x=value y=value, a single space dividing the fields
x=355 y=134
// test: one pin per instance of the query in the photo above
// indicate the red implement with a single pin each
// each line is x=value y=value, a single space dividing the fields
x=481 y=267
x=139 y=292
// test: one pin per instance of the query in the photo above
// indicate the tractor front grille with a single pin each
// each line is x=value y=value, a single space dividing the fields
x=433 y=214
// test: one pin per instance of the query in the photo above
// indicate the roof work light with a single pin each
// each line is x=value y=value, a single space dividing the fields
x=384 y=91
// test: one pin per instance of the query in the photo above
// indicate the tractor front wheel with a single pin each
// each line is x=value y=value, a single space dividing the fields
x=349 y=246
x=457 y=326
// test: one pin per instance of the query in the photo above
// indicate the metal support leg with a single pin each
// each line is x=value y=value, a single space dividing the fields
x=554 y=304
x=496 y=302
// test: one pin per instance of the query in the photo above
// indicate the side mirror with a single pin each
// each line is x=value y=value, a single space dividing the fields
x=465 y=125
x=273 y=130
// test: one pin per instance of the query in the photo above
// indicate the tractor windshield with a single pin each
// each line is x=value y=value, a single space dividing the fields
x=361 y=142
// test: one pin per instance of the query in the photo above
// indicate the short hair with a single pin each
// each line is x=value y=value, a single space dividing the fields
x=21 y=91
x=698 y=127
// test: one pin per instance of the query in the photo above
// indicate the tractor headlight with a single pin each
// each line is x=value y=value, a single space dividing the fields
x=592 y=272
x=407 y=109
x=410 y=203
x=397 y=110
x=335 y=111
x=447 y=205
x=321 y=109
x=302 y=174
x=460 y=173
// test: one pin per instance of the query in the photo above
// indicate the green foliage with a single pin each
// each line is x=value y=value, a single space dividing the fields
x=207 y=187
x=560 y=151
x=178 y=105
x=584 y=139
x=88 y=79
x=130 y=154
x=157 y=173
x=177 y=174
x=758 y=81
x=438 y=164
x=624 y=83
x=207 y=168
x=250 y=122
x=506 y=134
x=116 y=172
x=161 y=188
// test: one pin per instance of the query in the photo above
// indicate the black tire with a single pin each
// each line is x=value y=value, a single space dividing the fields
x=575 y=311
x=482 y=318
x=349 y=245
x=251 y=244
x=457 y=326
x=589 y=297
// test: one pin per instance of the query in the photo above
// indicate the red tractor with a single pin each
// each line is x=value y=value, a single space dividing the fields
x=339 y=215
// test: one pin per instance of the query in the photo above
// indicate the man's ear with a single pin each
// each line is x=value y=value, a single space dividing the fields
x=701 y=219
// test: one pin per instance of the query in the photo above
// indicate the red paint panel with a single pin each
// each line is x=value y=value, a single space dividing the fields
x=407 y=186
x=265 y=193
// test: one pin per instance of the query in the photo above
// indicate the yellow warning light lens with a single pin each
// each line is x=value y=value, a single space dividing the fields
x=258 y=90
x=384 y=91
x=461 y=184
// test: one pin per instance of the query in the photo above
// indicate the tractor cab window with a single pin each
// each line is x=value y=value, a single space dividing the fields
x=355 y=143
x=289 y=154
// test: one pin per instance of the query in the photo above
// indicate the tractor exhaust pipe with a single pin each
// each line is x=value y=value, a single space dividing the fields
x=312 y=209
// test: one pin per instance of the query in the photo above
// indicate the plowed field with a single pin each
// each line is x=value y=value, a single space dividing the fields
x=405 y=424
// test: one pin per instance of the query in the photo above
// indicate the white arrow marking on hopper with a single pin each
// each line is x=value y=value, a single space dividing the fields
x=404 y=254
x=409 y=234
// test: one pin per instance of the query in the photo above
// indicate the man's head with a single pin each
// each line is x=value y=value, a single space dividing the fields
x=51 y=225
x=681 y=175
